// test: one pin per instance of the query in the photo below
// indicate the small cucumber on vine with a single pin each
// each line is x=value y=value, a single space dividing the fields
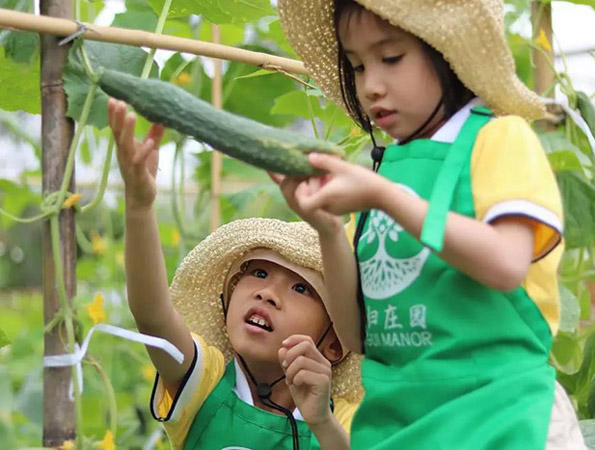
x=587 y=110
x=252 y=142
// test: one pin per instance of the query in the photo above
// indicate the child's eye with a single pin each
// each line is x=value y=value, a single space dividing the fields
x=260 y=273
x=358 y=69
x=301 y=288
x=392 y=59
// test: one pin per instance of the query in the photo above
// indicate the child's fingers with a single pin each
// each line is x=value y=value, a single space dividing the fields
x=308 y=378
x=127 y=135
x=327 y=163
x=301 y=364
x=143 y=152
x=276 y=177
x=155 y=133
x=306 y=348
x=118 y=121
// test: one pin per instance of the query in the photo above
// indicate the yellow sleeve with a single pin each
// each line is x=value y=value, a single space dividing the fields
x=511 y=176
x=350 y=228
x=177 y=411
x=344 y=412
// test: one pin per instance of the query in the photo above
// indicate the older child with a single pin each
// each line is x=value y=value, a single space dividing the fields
x=456 y=260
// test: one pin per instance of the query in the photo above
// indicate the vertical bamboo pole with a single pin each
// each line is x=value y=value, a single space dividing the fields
x=216 y=161
x=57 y=131
x=541 y=18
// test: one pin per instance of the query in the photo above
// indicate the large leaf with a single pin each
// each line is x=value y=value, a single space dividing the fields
x=138 y=15
x=111 y=56
x=14 y=199
x=19 y=85
x=570 y=310
x=578 y=197
x=218 y=11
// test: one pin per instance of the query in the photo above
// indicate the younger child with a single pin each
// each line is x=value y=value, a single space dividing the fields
x=246 y=310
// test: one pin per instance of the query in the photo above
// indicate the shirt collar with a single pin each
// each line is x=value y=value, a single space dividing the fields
x=450 y=130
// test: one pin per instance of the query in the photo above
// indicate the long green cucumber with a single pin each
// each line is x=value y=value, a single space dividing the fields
x=266 y=147
x=585 y=106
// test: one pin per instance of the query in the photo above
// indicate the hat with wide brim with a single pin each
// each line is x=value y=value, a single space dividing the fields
x=201 y=279
x=468 y=33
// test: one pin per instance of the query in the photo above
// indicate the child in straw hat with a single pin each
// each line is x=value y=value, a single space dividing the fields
x=452 y=292
x=246 y=309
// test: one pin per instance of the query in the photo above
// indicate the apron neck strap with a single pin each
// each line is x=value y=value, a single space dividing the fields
x=433 y=230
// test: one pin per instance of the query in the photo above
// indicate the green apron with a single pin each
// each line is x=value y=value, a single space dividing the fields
x=450 y=364
x=226 y=422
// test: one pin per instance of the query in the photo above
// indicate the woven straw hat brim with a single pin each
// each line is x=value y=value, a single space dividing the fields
x=468 y=33
x=199 y=281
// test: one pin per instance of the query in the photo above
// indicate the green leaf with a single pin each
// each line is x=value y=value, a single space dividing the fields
x=564 y=160
x=19 y=85
x=112 y=56
x=251 y=97
x=566 y=352
x=295 y=104
x=139 y=16
x=258 y=73
x=21 y=47
x=14 y=199
x=218 y=11
x=570 y=310
x=4 y=341
x=578 y=198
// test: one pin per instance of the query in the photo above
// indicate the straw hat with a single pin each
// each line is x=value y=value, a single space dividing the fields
x=468 y=33
x=206 y=271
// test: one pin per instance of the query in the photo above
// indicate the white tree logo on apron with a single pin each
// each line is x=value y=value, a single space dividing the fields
x=382 y=275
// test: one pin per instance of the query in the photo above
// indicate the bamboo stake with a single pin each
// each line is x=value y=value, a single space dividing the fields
x=541 y=19
x=16 y=20
x=216 y=157
x=57 y=132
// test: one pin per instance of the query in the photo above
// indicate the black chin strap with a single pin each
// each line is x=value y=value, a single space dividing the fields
x=265 y=390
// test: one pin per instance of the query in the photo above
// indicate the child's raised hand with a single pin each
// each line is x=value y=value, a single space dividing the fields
x=308 y=375
x=138 y=160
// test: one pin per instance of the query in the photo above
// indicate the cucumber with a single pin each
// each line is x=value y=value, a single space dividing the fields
x=266 y=147
x=585 y=106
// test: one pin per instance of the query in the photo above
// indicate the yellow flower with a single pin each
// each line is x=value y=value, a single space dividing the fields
x=355 y=132
x=98 y=243
x=95 y=309
x=175 y=237
x=68 y=445
x=108 y=441
x=149 y=373
x=71 y=201
x=120 y=258
x=183 y=78
x=543 y=41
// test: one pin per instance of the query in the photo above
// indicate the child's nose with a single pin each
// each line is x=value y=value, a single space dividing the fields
x=270 y=296
x=373 y=86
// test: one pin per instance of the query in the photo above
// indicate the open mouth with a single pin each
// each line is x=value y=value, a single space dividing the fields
x=259 y=321
x=384 y=113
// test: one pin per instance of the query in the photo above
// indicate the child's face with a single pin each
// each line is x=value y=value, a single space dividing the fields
x=396 y=83
x=269 y=304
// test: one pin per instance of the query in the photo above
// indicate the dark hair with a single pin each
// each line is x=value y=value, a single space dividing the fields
x=455 y=94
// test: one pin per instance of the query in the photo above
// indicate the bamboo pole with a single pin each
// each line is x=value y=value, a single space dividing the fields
x=57 y=132
x=216 y=157
x=541 y=18
x=16 y=20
